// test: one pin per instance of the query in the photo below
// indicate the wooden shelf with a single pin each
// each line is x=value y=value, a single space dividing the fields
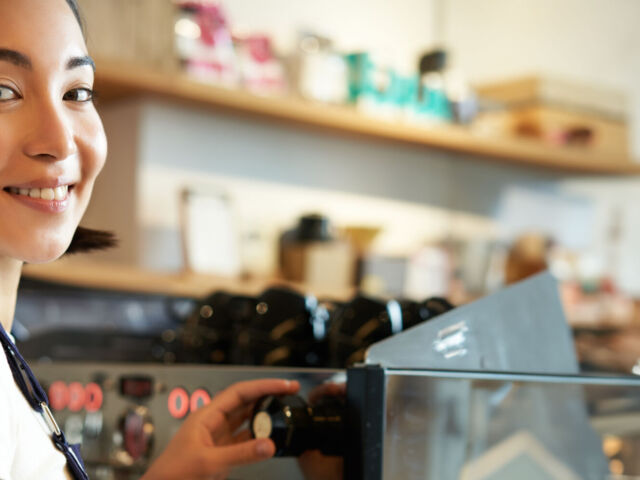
x=84 y=272
x=121 y=80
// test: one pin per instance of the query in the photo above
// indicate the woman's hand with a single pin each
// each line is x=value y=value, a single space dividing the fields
x=208 y=444
x=315 y=465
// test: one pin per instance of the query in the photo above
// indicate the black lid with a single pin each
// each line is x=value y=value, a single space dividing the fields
x=314 y=227
x=433 y=61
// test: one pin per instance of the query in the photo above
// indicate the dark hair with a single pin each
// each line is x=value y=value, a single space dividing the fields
x=73 y=5
x=86 y=239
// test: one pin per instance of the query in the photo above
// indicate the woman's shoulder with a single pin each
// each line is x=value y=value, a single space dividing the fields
x=5 y=371
x=25 y=447
x=6 y=377
x=8 y=416
x=7 y=383
x=8 y=386
x=7 y=390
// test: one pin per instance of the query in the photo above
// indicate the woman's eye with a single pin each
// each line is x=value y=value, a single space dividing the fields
x=7 y=93
x=79 y=95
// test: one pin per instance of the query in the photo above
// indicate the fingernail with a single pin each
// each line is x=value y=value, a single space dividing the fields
x=263 y=449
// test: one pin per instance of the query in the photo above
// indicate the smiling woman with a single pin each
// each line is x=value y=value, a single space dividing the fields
x=83 y=239
x=52 y=148
x=50 y=137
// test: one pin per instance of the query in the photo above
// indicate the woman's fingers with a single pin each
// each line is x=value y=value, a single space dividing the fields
x=316 y=466
x=243 y=394
x=242 y=436
x=243 y=453
x=208 y=442
x=233 y=421
x=327 y=389
x=239 y=416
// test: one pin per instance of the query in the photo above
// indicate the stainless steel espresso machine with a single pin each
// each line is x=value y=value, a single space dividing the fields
x=486 y=391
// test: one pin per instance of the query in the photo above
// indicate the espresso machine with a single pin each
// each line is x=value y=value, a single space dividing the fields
x=487 y=391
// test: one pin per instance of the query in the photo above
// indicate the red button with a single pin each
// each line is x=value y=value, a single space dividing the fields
x=93 y=397
x=199 y=399
x=178 y=402
x=76 y=396
x=58 y=395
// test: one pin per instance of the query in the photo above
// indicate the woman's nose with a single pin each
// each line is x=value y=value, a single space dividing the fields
x=50 y=134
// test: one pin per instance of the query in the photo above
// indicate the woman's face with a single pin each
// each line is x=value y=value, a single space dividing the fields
x=52 y=144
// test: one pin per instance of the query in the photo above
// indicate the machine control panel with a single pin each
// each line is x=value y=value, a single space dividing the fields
x=125 y=414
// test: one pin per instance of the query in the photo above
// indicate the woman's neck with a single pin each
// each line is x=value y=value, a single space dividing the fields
x=10 y=270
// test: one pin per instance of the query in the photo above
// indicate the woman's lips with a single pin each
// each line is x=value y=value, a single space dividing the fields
x=48 y=200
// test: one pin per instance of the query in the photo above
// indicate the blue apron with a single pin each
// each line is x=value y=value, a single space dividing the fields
x=37 y=398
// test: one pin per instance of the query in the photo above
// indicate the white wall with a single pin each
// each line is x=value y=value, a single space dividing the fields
x=275 y=172
x=397 y=31
x=591 y=40
x=263 y=210
x=614 y=245
x=588 y=41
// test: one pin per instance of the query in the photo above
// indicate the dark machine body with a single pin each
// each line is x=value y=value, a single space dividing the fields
x=433 y=402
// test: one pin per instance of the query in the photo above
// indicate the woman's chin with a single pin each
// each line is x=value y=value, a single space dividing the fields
x=45 y=255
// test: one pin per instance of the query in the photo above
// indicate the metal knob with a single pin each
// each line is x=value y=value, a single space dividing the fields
x=296 y=427
x=137 y=431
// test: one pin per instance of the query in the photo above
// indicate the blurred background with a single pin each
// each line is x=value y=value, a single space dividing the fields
x=399 y=150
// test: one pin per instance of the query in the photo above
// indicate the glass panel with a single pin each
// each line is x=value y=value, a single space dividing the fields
x=468 y=426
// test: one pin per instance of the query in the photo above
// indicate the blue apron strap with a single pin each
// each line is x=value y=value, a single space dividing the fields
x=37 y=398
x=72 y=454
x=22 y=374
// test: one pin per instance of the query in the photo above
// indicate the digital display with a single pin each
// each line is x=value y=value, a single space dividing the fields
x=137 y=387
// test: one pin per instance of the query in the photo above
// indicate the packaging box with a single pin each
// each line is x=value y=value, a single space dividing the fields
x=557 y=112
x=320 y=264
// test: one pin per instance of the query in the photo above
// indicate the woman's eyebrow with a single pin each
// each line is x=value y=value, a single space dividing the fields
x=16 y=58
x=20 y=60
x=81 y=62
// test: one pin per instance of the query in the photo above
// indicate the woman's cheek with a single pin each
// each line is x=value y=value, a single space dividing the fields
x=8 y=145
x=94 y=149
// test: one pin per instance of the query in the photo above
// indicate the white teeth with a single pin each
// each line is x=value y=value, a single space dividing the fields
x=58 y=193
x=47 y=194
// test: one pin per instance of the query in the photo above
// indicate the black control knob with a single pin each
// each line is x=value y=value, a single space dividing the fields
x=296 y=427
x=137 y=433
